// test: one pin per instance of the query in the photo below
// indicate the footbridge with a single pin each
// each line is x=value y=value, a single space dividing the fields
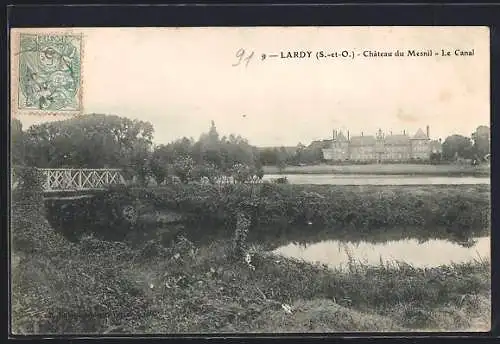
x=64 y=187
x=75 y=182
x=71 y=183
x=69 y=179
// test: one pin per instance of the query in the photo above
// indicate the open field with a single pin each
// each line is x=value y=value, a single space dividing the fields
x=57 y=286
x=384 y=169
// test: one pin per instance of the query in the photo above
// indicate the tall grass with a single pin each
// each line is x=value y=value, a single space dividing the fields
x=152 y=289
x=97 y=286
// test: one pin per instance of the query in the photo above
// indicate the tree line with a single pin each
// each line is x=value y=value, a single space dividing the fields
x=110 y=141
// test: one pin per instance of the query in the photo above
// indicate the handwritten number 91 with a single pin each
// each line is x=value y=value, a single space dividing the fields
x=241 y=55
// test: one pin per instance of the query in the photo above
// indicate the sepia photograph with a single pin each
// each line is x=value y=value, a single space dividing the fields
x=225 y=180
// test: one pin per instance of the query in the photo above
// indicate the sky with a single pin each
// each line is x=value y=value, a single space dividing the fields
x=180 y=79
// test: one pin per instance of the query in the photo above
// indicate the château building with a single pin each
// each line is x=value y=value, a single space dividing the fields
x=381 y=147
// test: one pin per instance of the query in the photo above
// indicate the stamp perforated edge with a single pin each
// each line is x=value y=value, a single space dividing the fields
x=15 y=35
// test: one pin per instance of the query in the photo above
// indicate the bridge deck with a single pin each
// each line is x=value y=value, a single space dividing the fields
x=54 y=191
x=72 y=194
x=68 y=198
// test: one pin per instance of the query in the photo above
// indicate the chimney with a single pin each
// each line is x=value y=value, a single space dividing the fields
x=428 y=132
x=404 y=132
x=348 y=135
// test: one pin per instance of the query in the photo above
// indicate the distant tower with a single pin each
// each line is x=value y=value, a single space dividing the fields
x=428 y=132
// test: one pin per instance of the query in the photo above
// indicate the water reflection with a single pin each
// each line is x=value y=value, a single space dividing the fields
x=323 y=179
x=335 y=253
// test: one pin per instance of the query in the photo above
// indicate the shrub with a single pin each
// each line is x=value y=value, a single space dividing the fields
x=340 y=208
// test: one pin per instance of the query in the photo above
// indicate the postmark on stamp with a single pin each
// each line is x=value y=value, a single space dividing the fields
x=47 y=73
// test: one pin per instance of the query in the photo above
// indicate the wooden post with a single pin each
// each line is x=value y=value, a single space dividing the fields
x=68 y=181
x=80 y=179
x=122 y=179
x=47 y=173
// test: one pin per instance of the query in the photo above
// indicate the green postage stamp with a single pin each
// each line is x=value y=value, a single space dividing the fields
x=46 y=72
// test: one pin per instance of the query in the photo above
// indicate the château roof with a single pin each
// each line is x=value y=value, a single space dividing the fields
x=420 y=135
x=363 y=140
x=435 y=144
x=341 y=137
x=397 y=140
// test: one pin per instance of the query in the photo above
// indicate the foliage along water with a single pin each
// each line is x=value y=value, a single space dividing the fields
x=373 y=179
x=453 y=216
x=335 y=248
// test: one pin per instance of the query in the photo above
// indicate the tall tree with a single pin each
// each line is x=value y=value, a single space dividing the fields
x=89 y=141
x=17 y=148
x=282 y=157
x=481 y=142
x=457 y=146
x=207 y=149
x=213 y=135
x=268 y=156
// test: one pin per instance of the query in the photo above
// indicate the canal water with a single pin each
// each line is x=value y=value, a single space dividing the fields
x=431 y=253
x=372 y=179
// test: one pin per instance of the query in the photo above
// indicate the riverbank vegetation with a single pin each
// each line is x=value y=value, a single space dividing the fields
x=184 y=288
x=385 y=169
x=188 y=287
x=452 y=211
x=457 y=212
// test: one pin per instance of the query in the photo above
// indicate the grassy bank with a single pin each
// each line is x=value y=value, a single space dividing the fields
x=58 y=288
x=297 y=212
x=385 y=169
x=184 y=288
x=276 y=209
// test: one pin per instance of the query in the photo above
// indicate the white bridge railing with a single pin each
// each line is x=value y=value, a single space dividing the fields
x=68 y=179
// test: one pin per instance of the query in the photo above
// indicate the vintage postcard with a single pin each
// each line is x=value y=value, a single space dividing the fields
x=250 y=180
